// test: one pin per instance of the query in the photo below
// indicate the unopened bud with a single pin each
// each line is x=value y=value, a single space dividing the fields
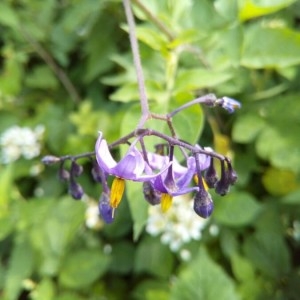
x=151 y=195
x=50 y=160
x=203 y=204
x=75 y=190
x=63 y=174
x=76 y=169
x=211 y=176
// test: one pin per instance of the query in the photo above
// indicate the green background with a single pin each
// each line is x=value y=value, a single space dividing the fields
x=67 y=65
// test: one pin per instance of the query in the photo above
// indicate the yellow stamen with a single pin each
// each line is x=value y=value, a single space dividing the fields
x=166 y=202
x=203 y=181
x=117 y=191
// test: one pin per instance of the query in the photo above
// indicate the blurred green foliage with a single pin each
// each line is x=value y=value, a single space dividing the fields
x=67 y=65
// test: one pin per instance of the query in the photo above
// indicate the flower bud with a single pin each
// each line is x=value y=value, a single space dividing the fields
x=97 y=173
x=75 y=190
x=151 y=195
x=211 y=176
x=63 y=174
x=105 y=210
x=76 y=169
x=231 y=174
x=223 y=185
x=50 y=160
x=203 y=204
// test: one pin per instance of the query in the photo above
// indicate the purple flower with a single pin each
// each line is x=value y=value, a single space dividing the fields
x=132 y=166
x=105 y=210
x=175 y=181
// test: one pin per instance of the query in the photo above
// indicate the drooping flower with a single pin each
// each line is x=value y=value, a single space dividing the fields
x=131 y=167
x=175 y=181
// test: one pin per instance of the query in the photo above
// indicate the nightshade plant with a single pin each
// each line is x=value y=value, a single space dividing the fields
x=162 y=174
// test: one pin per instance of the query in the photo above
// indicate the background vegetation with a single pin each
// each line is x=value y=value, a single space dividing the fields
x=66 y=68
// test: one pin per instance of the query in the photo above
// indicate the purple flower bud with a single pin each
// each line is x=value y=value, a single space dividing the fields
x=151 y=195
x=211 y=176
x=75 y=190
x=50 y=160
x=228 y=104
x=231 y=174
x=105 y=210
x=203 y=204
x=76 y=169
x=97 y=173
x=223 y=185
x=63 y=174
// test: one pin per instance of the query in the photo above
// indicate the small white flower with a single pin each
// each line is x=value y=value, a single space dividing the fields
x=185 y=255
x=20 y=141
x=178 y=226
x=92 y=215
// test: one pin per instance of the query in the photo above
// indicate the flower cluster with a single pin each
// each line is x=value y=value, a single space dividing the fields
x=18 y=142
x=163 y=176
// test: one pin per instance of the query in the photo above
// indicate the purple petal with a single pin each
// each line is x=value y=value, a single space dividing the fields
x=105 y=210
x=103 y=156
x=131 y=166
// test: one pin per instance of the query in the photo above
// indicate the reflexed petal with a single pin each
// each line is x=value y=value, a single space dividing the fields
x=131 y=166
x=103 y=156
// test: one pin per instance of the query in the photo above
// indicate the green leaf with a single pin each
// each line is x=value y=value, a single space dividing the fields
x=279 y=182
x=6 y=180
x=152 y=38
x=270 y=47
x=138 y=207
x=188 y=80
x=159 y=262
x=83 y=267
x=292 y=198
x=242 y=268
x=41 y=78
x=236 y=209
x=21 y=264
x=8 y=16
x=203 y=279
x=247 y=127
x=268 y=252
x=151 y=290
x=126 y=93
x=250 y=9
x=280 y=148
x=53 y=226
x=122 y=257
x=45 y=290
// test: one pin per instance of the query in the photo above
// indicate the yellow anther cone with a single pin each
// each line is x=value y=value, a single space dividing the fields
x=116 y=193
x=166 y=202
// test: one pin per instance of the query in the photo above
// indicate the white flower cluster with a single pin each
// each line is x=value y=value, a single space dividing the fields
x=20 y=141
x=92 y=219
x=178 y=226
